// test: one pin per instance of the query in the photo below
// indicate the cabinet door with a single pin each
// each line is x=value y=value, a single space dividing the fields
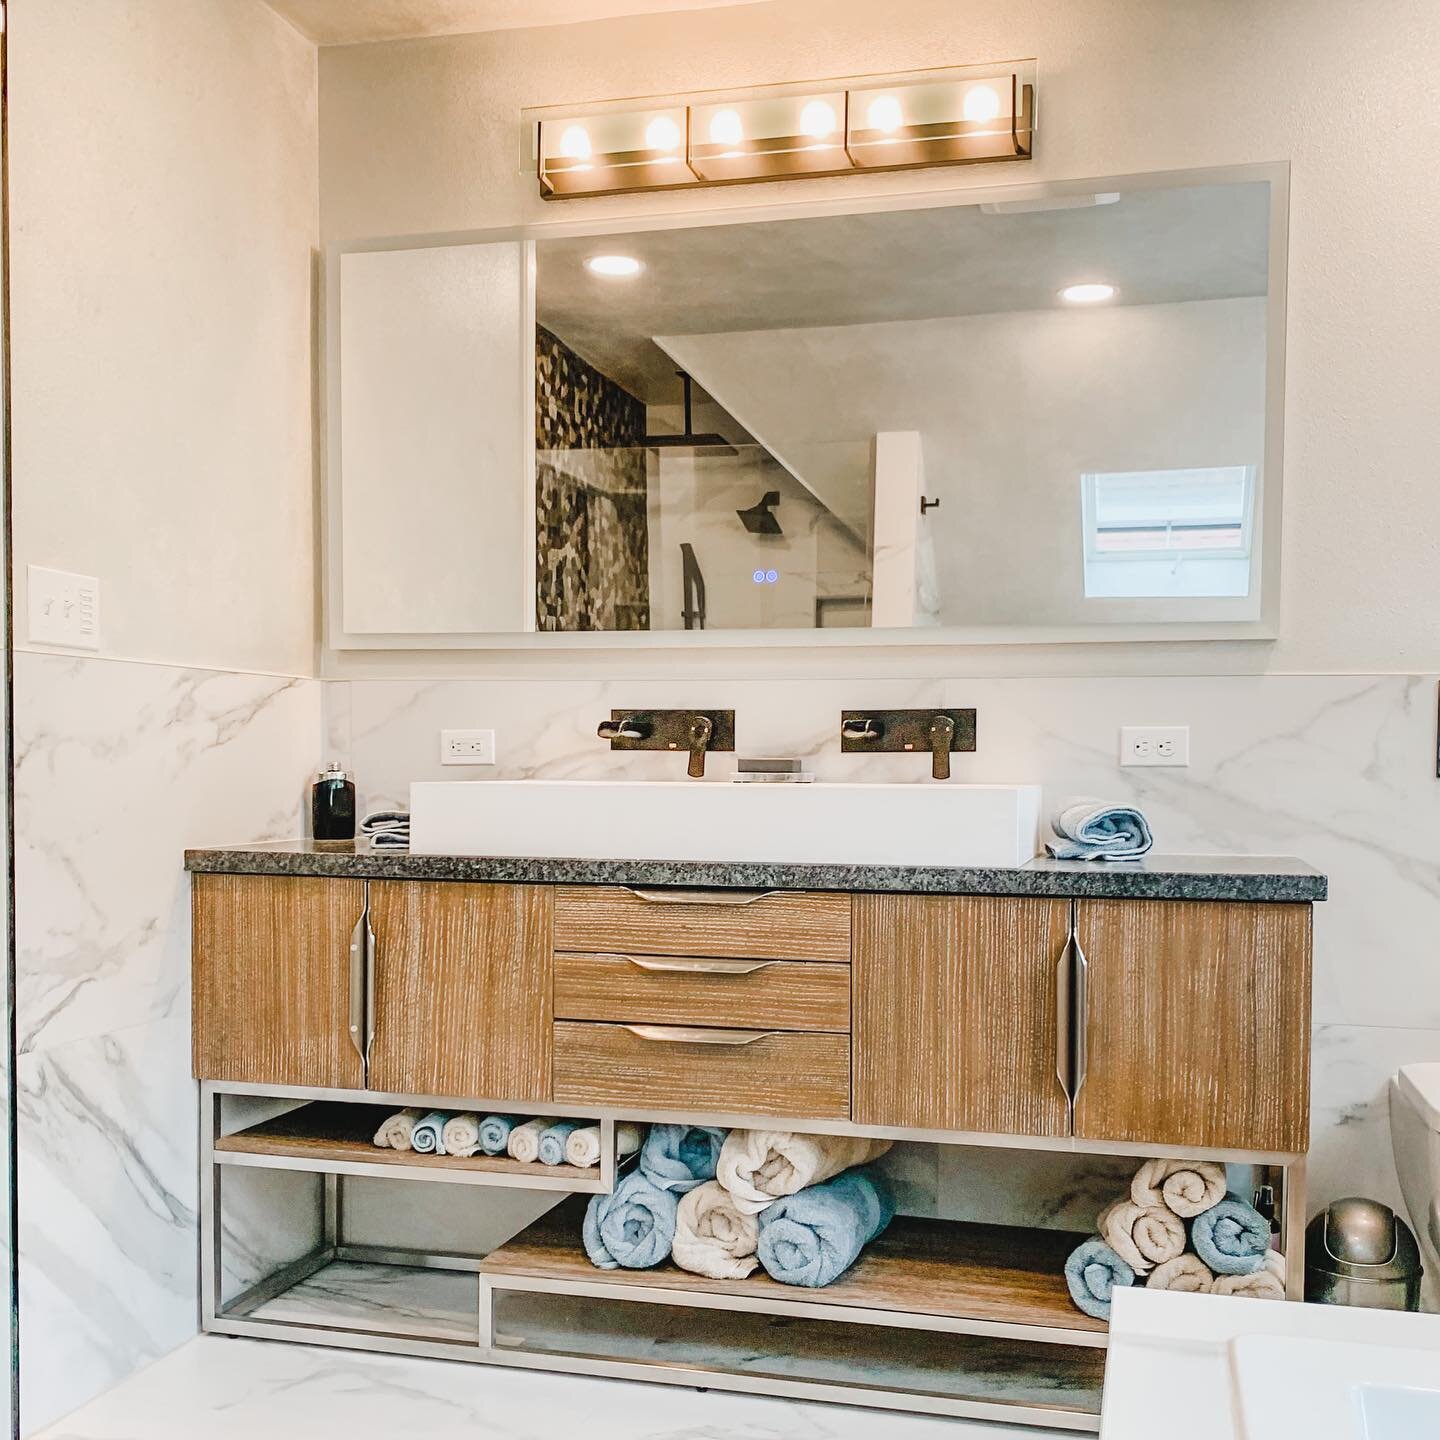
x=1197 y=1024
x=955 y=1013
x=271 y=979
x=462 y=989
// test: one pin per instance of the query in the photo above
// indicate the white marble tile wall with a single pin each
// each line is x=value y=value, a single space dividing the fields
x=1339 y=770
x=120 y=766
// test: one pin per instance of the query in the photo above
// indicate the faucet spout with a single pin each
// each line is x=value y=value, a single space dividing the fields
x=701 y=729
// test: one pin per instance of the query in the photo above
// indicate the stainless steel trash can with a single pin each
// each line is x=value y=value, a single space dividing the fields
x=1360 y=1252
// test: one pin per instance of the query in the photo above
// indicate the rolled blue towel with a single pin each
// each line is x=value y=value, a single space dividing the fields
x=552 y=1142
x=1231 y=1237
x=813 y=1236
x=680 y=1157
x=495 y=1132
x=427 y=1138
x=1093 y=830
x=1092 y=1272
x=634 y=1226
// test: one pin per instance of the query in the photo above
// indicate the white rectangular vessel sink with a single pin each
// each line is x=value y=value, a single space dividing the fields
x=809 y=824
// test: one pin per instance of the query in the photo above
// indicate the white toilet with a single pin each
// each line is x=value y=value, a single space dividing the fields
x=1415 y=1134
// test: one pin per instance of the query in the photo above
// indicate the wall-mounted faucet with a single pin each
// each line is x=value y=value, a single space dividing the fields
x=941 y=732
x=694 y=731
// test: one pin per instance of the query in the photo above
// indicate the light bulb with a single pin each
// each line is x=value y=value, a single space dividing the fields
x=662 y=133
x=982 y=102
x=575 y=143
x=817 y=119
x=885 y=113
x=614 y=266
x=726 y=128
x=1091 y=292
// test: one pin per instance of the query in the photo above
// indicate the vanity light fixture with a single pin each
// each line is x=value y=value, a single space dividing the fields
x=614 y=267
x=1090 y=293
x=934 y=117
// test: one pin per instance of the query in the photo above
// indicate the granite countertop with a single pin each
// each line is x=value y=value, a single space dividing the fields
x=1156 y=877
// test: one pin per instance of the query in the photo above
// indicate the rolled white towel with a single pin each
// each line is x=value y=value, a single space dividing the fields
x=461 y=1135
x=713 y=1236
x=758 y=1167
x=583 y=1146
x=1267 y=1283
x=1187 y=1273
x=524 y=1142
x=1187 y=1187
x=1143 y=1236
x=396 y=1130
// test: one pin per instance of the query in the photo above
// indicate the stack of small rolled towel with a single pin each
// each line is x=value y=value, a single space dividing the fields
x=1178 y=1229
x=548 y=1141
x=720 y=1205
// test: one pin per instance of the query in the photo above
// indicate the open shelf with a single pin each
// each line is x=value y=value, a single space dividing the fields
x=936 y=1274
x=337 y=1137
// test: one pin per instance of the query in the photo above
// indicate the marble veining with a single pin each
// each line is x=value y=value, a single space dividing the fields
x=1165 y=877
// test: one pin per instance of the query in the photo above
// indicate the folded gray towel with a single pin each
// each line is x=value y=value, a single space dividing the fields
x=1093 y=830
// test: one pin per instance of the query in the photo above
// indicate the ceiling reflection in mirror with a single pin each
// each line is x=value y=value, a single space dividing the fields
x=1050 y=413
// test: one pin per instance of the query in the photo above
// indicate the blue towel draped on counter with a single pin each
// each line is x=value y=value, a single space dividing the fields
x=812 y=1237
x=1231 y=1237
x=1093 y=830
x=634 y=1226
x=1092 y=1272
x=495 y=1132
x=552 y=1142
x=680 y=1157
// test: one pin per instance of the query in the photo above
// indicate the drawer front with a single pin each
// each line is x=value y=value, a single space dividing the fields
x=736 y=924
x=684 y=990
x=807 y=1076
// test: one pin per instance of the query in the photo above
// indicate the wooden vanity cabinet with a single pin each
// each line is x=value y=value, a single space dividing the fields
x=271 y=979
x=462 y=989
x=955 y=1013
x=1197 y=1023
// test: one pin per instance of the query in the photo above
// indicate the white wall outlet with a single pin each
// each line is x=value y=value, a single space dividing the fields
x=63 y=609
x=467 y=747
x=1154 y=744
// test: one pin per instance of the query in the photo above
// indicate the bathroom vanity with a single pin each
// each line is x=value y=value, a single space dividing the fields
x=1147 y=1009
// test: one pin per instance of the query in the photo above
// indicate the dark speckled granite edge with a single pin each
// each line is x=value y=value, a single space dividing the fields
x=1190 y=877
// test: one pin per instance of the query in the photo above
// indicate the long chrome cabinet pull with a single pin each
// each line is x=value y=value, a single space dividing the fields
x=680 y=965
x=371 y=965
x=1082 y=1020
x=687 y=1035
x=699 y=897
x=359 y=977
x=1064 y=1015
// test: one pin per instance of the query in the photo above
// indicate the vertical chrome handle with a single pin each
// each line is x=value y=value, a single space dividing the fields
x=371 y=957
x=1082 y=1020
x=1064 y=1016
x=358 y=976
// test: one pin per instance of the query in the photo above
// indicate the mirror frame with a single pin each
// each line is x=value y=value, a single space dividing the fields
x=1267 y=521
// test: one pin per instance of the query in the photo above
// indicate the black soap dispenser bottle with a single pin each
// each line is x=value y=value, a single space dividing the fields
x=332 y=805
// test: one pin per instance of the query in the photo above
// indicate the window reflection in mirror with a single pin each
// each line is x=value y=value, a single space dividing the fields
x=736 y=423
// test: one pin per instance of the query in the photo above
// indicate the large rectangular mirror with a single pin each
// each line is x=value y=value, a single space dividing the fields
x=1052 y=416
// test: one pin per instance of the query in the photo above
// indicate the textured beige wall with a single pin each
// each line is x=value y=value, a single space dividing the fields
x=163 y=190
x=422 y=136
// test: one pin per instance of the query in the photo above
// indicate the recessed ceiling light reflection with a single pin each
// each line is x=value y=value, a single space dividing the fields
x=1090 y=293
x=614 y=267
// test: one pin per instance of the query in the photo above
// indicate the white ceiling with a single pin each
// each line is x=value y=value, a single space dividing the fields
x=1158 y=246
x=354 y=22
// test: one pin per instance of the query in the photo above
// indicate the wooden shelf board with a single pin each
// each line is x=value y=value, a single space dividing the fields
x=336 y=1131
x=951 y=1270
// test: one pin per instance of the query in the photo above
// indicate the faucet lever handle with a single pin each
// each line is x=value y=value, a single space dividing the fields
x=701 y=729
x=942 y=733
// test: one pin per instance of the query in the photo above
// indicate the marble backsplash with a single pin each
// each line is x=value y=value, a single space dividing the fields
x=1338 y=770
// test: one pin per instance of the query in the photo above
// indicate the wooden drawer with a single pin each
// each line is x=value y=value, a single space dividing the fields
x=664 y=1068
x=736 y=924
x=684 y=990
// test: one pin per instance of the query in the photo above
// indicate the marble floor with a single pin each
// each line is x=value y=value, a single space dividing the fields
x=227 y=1389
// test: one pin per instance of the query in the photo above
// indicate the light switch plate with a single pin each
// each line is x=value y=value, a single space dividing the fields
x=1154 y=744
x=63 y=609
x=467 y=747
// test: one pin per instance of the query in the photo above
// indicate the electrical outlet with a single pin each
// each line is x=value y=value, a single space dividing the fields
x=1154 y=744
x=467 y=747
x=64 y=609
